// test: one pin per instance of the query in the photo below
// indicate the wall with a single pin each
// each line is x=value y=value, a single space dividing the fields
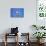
x=24 y=24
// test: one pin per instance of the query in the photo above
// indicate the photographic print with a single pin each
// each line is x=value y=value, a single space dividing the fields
x=17 y=12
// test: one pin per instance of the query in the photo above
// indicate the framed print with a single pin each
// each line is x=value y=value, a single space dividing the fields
x=41 y=12
x=17 y=12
